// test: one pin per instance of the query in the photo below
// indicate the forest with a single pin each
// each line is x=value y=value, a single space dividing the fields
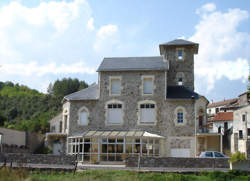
x=25 y=109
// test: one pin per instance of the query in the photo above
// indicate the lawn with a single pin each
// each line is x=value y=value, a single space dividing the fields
x=112 y=175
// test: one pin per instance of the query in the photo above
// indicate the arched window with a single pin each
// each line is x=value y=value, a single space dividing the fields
x=114 y=112
x=180 y=78
x=147 y=112
x=83 y=116
x=180 y=115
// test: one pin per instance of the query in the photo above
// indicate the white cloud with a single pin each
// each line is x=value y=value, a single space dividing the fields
x=106 y=38
x=90 y=24
x=34 y=69
x=223 y=49
x=209 y=7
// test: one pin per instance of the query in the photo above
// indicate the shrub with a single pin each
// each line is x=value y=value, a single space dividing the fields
x=237 y=157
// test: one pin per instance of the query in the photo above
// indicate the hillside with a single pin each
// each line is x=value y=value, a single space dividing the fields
x=23 y=108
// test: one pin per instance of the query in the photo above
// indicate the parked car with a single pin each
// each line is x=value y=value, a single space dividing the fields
x=212 y=154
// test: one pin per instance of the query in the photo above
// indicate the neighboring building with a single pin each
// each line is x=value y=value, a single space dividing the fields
x=222 y=121
x=141 y=106
x=241 y=130
x=12 y=137
x=215 y=107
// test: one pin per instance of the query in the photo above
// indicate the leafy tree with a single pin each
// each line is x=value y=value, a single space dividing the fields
x=67 y=86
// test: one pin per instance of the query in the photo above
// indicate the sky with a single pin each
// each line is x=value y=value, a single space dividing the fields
x=45 y=40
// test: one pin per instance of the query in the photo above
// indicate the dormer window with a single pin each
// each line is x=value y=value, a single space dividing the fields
x=180 y=54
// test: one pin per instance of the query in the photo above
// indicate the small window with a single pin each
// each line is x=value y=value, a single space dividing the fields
x=115 y=86
x=83 y=117
x=53 y=129
x=147 y=113
x=180 y=117
x=60 y=127
x=1 y=136
x=148 y=85
x=180 y=54
x=240 y=134
x=180 y=81
x=248 y=131
x=243 y=117
x=217 y=110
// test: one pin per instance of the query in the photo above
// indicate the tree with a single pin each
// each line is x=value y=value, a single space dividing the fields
x=50 y=89
x=67 y=86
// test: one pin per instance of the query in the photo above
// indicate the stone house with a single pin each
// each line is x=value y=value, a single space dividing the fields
x=141 y=106
x=241 y=130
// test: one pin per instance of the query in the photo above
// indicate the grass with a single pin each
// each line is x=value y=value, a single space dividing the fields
x=113 y=175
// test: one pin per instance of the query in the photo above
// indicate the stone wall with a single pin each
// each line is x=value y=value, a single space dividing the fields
x=37 y=158
x=178 y=162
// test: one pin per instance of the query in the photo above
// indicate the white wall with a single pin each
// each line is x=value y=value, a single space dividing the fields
x=238 y=124
x=218 y=124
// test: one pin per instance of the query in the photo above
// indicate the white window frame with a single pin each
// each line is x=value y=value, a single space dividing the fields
x=176 y=116
x=142 y=85
x=79 y=116
x=139 y=113
x=110 y=85
x=114 y=101
x=177 y=54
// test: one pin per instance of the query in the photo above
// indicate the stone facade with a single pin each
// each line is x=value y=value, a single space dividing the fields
x=176 y=136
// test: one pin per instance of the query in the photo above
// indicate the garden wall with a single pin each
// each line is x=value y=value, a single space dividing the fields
x=37 y=158
x=178 y=162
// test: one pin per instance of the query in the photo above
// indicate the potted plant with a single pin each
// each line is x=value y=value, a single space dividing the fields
x=238 y=161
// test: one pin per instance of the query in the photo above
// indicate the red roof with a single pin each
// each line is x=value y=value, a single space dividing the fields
x=224 y=116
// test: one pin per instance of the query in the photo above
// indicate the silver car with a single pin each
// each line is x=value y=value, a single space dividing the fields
x=212 y=154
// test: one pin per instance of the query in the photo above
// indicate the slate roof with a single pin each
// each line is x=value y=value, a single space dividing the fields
x=179 y=42
x=133 y=64
x=90 y=93
x=223 y=103
x=180 y=92
x=56 y=118
x=223 y=116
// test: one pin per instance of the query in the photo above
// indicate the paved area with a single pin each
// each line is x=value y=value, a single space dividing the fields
x=82 y=167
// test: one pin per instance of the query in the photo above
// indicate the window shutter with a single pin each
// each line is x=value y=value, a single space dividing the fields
x=83 y=119
x=114 y=116
x=115 y=86
x=148 y=86
x=148 y=115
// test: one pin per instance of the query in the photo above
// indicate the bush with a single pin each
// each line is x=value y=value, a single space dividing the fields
x=237 y=157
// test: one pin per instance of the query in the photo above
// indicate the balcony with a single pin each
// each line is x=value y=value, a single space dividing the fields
x=206 y=131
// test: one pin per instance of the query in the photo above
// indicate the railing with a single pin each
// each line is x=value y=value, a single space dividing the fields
x=205 y=130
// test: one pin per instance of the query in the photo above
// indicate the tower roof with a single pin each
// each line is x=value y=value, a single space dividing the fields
x=179 y=42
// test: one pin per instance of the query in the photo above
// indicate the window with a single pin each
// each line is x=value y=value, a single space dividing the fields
x=180 y=81
x=243 y=117
x=248 y=131
x=209 y=154
x=147 y=85
x=60 y=127
x=115 y=86
x=53 y=129
x=65 y=122
x=240 y=134
x=147 y=113
x=1 y=136
x=217 y=110
x=218 y=155
x=209 y=111
x=114 y=113
x=180 y=54
x=83 y=116
x=180 y=117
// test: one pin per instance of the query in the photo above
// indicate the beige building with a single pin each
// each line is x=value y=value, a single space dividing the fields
x=141 y=106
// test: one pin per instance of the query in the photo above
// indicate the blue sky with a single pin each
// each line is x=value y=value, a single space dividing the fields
x=41 y=41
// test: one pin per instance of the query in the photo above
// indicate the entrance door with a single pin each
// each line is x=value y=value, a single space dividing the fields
x=57 y=148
